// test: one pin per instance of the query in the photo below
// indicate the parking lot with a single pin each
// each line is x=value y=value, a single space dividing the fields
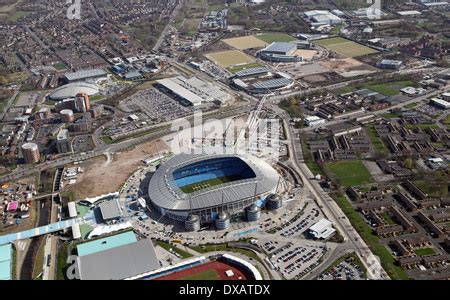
x=346 y=270
x=310 y=215
x=82 y=143
x=156 y=106
x=291 y=260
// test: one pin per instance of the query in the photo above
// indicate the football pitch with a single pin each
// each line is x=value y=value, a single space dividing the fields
x=349 y=173
x=227 y=59
x=188 y=189
x=345 y=47
x=275 y=37
x=245 y=42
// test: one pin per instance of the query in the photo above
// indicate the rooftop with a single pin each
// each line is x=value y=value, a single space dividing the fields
x=110 y=209
x=119 y=263
x=106 y=243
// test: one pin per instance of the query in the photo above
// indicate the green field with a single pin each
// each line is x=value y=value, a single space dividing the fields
x=17 y=15
x=424 y=251
x=188 y=189
x=345 y=47
x=349 y=173
x=205 y=275
x=232 y=58
x=446 y=121
x=275 y=37
x=378 y=249
x=422 y=126
x=377 y=143
x=387 y=218
x=391 y=88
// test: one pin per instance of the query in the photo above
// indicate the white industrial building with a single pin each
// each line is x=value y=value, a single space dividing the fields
x=193 y=91
x=440 y=103
x=323 y=17
x=314 y=121
x=322 y=229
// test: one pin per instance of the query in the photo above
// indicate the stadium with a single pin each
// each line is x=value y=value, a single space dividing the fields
x=261 y=80
x=199 y=188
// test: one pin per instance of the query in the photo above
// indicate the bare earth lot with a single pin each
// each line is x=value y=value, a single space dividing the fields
x=104 y=176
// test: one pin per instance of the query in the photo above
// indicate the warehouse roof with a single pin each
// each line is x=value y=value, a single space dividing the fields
x=180 y=91
x=120 y=262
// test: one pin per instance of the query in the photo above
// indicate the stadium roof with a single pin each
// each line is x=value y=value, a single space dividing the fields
x=272 y=83
x=252 y=71
x=72 y=89
x=120 y=262
x=106 y=243
x=165 y=193
x=85 y=74
x=280 y=47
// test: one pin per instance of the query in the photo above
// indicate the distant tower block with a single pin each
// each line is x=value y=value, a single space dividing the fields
x=31 y=153
x=253 y=213
x=82 y=103
x=192 y=223
x=67 y=116
x=223 y=221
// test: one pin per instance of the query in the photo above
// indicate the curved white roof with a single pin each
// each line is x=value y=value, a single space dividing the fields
x=165 y=193
x=72 y=89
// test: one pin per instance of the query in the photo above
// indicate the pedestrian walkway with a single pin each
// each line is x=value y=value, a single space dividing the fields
x=54 y=227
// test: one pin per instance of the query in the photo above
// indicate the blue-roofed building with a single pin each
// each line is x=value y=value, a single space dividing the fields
x=5 y=262
x=106 y=243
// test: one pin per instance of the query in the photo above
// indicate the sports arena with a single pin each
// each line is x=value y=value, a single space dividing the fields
x=207 y=186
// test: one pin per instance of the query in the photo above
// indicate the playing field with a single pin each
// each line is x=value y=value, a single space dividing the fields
x=231 y=58
x=187 y=189
x=245 y=42
x=345 y=47
x=349 y=173
x=275 y=37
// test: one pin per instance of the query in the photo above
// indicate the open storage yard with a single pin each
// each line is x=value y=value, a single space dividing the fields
x=345 y=47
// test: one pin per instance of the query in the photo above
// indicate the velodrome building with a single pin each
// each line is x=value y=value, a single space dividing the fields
x=205 y=188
